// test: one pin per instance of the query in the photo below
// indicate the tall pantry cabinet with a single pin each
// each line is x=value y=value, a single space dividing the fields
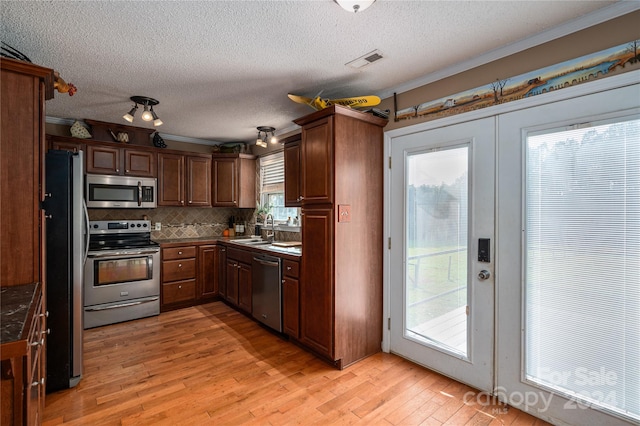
x=341 y=186
x=25 y=87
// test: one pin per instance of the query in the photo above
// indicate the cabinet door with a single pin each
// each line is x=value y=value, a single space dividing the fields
x=222 y=271
x=232 y=281
x=317 y=162
x=208 y=271
x=170 y=180
x=199 y=181
x=316 y=281
x=140 y=163
x=225 y=185
x=244 y=287
x=103 y=160
x=292 y=174
x=291 y=307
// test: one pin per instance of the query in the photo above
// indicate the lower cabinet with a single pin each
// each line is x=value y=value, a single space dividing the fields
x=23 y=365
x=178 y=276
x=208 y=265
x=238 y=278
x=291 y=298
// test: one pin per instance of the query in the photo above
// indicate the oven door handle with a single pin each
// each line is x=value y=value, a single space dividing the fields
x=139 y=193
x=120 y=254
x=122 y=305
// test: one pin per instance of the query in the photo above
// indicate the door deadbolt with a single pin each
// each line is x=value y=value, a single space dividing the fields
x=484 y=274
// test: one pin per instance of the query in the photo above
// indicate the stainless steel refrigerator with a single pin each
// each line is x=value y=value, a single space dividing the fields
x=66 y=231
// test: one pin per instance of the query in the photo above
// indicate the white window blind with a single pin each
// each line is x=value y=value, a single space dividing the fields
x=272 y=172
x=582 y=264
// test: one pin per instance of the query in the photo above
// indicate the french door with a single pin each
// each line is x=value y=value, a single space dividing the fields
x=544 y=310
x=568 y=270
x=441 y=272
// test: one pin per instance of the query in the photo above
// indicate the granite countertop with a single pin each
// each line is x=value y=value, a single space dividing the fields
x=296 y=252
x=15 y=302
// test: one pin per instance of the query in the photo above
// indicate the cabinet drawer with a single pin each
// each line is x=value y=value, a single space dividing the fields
x=179 y=291
x=290 y=269
x=174 y=270
x=178 y=252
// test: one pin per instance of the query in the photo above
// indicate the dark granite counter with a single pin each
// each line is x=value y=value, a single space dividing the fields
x=15 y=302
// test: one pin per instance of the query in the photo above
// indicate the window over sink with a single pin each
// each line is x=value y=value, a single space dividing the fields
x=272 y=187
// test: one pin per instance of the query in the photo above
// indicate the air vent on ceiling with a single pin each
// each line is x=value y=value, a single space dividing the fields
x=365 y=60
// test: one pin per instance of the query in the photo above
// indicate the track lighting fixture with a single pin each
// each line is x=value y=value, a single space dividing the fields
x=262 y=140
x=148 y=114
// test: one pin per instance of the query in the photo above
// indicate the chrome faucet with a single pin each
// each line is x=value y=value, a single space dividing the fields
x=270 y=235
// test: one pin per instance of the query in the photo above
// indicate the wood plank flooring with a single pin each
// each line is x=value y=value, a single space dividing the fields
x=210 y=365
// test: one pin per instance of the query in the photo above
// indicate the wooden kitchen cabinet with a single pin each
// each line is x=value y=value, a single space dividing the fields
x=222 y=271
x=234 y=180
x=111 y=160
x=178 y=277
x=23 y=349
x=238 y=279
x=184 y=180
x=292 y=189
x=341 y=267
x=65 y=144
x=24 y=88
x=291 y=298
x=208 y=265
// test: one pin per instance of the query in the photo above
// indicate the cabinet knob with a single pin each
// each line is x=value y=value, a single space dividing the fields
x=181 y=201
x=47 y=331
x=117 y=170
x=300 y=198
x=126 y=171
x=47 y=194
x=282 y=281
x=46 y=314
x=288 y=268
x=41 y=382
x=179 y=286
x=179 y=265
x=238 y=266
x=179 y=252
x=48 y=216
x=190 y=201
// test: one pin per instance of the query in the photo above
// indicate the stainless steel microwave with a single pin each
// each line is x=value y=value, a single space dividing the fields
x=120 y=192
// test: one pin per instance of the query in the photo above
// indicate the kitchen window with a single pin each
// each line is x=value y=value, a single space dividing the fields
x=272 y=187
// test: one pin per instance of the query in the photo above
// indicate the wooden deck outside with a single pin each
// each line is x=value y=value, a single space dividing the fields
x=450 y=329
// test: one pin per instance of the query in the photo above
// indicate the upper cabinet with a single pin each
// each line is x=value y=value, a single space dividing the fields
x=292 y=188
x=184 y=180
x=110 y=160
x=316 y=156
x=234 y=180
x=24 y=88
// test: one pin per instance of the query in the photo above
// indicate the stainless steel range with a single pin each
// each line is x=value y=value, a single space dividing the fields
x=121 y=274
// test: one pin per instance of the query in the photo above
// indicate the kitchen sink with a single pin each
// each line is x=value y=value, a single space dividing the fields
x=252 y=242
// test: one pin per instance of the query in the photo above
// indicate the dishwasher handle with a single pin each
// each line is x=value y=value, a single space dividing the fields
x=266 y=262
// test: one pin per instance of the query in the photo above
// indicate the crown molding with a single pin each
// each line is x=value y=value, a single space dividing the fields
x=597 y=17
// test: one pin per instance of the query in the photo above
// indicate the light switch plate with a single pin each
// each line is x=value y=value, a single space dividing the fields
x=344 y=213
x=158 y=226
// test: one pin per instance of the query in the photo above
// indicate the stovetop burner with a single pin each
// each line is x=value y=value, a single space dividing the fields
x=119 y=235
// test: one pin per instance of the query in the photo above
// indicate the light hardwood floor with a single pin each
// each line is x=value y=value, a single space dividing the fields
x=212 y=365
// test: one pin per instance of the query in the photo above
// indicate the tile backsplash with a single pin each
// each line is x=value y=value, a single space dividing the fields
x=182 y=222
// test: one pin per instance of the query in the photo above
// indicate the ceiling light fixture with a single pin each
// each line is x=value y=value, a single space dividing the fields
x=148 y=114
x=354 y=6
x=262 y=140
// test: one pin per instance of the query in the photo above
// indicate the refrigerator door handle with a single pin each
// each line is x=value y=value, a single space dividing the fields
x=86 y=221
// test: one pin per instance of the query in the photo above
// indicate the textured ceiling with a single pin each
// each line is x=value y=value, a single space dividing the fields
x=222 y=68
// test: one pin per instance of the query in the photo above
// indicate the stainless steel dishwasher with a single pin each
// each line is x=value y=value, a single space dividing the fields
x=267 y=290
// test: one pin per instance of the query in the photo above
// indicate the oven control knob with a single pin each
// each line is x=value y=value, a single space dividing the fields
x=95 y=226
x=144 y=225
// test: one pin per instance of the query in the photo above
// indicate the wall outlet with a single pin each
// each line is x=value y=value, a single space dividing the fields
x=158 y=226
